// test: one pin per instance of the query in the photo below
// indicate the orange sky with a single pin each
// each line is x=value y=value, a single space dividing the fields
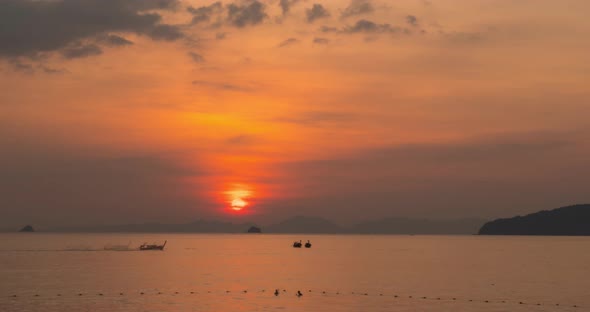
x=473 y=108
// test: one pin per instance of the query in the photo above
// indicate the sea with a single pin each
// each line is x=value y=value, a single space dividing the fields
x=263 y=272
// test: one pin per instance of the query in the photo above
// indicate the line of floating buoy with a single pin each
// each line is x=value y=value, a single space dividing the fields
x=300 y=294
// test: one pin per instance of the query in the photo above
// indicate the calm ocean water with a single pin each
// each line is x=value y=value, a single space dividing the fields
x=196 y=272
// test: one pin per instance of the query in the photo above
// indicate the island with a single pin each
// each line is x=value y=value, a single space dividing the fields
x=571 y=220
x=27 y=228
x=254 y=229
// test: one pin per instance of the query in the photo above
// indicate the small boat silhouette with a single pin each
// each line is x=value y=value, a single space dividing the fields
x=297 y=244
x=146 y=246
x=308 y=244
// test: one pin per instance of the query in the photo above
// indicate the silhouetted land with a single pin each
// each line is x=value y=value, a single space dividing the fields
x=27 y=228
x=570 y=220
x=298 y=224
x=254 y=229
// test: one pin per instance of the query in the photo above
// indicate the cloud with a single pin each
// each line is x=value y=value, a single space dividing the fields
x=197 y=58
x=76 y=189
x=317 y=11
x=286 y=5
x=287 y=42
x=204 y=13
x=220 y=35
x=366 y=26
x=166 y=32
x=30 y=27
x=19 y=66
x=248 y=14
x=81 y=51
x=412 y=20
x=442 y=179
x=221 y=86
x=321 y=40
x=328 y=29
x=114 y=41
x=357 y=7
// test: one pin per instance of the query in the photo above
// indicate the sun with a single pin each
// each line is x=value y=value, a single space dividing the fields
x=238 y=204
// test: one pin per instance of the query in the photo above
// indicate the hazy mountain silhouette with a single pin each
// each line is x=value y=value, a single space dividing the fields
x=27 y=228
x=200 y=226
x=301 y=224
x=298 y=224
x=570 y=220
x=418 y=226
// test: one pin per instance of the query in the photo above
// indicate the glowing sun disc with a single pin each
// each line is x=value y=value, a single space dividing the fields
x=238 y=204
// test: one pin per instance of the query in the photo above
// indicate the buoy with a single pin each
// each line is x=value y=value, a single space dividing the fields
x=520 y=302
x=79 y=294
x=141 y=293
x=36 y=295
x=120 y=294
x=100 y=294
x=299 y=294
x=245 y=291
x=59 y=295
x=176 y=292
x=276 y=292
x=192 y=292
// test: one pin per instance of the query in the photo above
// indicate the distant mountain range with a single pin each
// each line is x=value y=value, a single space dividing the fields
x=298 y=224
x=571 y=220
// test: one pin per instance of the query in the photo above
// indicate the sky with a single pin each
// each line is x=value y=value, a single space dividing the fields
x=131 y=111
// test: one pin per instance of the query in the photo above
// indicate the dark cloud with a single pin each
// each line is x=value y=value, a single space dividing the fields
x=76 y=189
x=357 y=7
x=29 y=27
x=494 y=174
x=166 y=32
x=220 y=36
x=412 y=20
x=204 y=13
x=114 y=40
x=317 y=11
x=250 y=13
x=328 y=29
x=221 y=86
x=19 y=66
x=366 y=26
x=50 y=70
x=321 y=40
x=286 y=5
x=287 y=42
x=197 y=58
x=80 y=51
